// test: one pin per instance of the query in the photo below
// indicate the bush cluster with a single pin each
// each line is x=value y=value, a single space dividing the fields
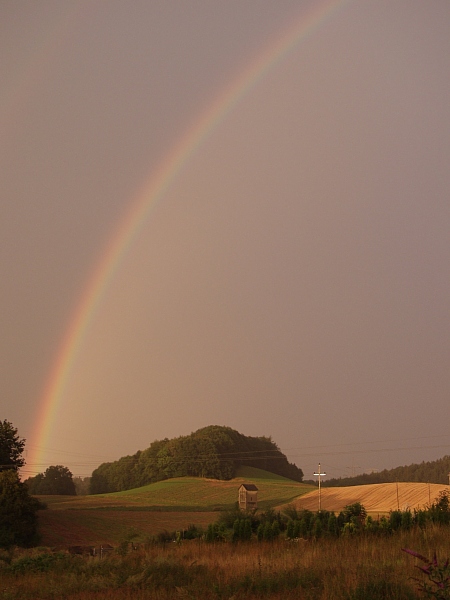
x=236 y=525
x=353 y=519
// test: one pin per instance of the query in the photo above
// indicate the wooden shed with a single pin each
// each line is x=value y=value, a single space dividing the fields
x=248 y=496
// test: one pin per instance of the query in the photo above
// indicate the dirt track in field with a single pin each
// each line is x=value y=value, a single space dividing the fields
x=381 y=497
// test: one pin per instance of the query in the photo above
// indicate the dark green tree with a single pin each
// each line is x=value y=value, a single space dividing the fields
x=439 y=511
x=290 y=529
x=18 y=512
x=35 y=484
x=332 y=524
x=11 y=447
x=355 y=513
x=59 y=480
x=267 y=531
x=317 y=527
x=275 y=529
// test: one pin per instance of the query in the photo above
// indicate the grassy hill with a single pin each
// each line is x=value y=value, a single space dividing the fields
x=214 y=452
x=172 y=504
x=189 y=494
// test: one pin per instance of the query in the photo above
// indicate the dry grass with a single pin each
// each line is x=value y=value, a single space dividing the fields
x=376 y=498
x=349 y=568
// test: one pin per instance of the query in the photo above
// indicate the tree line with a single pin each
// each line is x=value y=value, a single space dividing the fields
x=436 y=471
x=215 y=452
x=56 y=480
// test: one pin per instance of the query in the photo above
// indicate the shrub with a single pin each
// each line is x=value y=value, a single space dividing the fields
x=193 y=532
x=395 y=520
x=40 y=564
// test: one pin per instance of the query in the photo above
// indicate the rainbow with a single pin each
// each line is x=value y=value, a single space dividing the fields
x=148 y=197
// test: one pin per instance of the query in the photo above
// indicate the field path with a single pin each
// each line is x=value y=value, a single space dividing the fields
x=380 y=497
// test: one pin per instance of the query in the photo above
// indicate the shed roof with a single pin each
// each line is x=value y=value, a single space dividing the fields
x=250 y=487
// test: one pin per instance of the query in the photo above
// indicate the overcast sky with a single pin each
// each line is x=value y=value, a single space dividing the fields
x=293 y=281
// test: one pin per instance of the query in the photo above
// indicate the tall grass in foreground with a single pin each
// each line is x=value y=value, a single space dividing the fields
x=348 y=568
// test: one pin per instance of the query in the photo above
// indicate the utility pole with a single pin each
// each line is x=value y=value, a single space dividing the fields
x=319 y=474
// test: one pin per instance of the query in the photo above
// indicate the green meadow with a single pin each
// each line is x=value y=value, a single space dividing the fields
x=167 y=505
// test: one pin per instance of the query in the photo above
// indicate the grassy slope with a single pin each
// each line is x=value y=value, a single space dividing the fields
x=189 y=494
x=171 y=505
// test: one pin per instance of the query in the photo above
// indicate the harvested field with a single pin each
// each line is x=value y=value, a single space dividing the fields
x=376 y=498
x=85 y=527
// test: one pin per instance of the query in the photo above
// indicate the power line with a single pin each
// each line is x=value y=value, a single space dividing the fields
x=273 y=453
x=253 y=455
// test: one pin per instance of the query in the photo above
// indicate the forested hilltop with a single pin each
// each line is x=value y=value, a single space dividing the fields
x=215 y=452
x=436 y=471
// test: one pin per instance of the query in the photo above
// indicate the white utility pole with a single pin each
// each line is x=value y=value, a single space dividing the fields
x=319 y=475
